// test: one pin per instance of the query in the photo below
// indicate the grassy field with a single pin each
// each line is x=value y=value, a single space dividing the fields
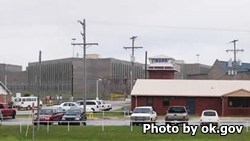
x=110 y=133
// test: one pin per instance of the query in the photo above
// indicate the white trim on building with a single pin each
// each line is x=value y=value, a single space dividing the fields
x=3 y=89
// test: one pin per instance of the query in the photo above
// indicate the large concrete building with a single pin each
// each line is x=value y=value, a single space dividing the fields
x=65 y=77
x=14 y=78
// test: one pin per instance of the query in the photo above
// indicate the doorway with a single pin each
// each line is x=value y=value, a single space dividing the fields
x=191 y=106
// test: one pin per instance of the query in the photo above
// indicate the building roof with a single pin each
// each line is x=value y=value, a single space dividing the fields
x=174 y=87
x=3 y=89
x=160 y=56
x=244 y=67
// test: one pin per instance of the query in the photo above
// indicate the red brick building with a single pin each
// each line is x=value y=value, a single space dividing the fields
x=162 y=67
x=4 y=93
x=227 y=97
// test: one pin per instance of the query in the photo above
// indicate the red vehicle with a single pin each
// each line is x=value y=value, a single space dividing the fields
x=7 y=110
x=49 y=115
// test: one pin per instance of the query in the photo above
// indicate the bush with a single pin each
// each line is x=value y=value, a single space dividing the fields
x=27 y=94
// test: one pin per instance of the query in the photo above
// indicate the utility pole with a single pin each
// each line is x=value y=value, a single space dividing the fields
x=132 y=58
x=72 y=67
x=84 y=44
x=146 y=64
x=234 y=62
x=39 y=90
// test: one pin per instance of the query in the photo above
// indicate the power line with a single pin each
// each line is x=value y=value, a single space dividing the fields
x=171 y=27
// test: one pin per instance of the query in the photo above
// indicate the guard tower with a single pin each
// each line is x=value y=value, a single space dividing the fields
x=162 y=67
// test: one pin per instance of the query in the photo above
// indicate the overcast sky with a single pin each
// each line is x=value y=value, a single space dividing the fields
x=176 y=28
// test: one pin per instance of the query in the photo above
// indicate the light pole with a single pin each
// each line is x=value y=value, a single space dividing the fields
x=97 y=98
x=73 y=41
x=197 y=58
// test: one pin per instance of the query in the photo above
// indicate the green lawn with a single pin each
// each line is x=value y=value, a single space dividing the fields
x=110 y=133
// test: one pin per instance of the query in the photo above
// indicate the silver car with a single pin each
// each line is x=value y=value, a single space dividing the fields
x=176 y=115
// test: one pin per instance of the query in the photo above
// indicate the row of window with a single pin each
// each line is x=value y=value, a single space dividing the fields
x=238 y=102
x=123 y=70
x=232 y=101
x=165 y=101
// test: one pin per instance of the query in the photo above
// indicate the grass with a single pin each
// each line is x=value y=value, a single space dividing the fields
x=110 y=133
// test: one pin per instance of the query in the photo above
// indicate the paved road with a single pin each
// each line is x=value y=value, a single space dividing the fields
x=115 y=105
x=124 y=120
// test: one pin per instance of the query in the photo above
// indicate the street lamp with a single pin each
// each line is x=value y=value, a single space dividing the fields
x=97 y=98
x=73 y=41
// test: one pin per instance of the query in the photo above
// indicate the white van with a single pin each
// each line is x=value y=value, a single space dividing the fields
x=25 y=102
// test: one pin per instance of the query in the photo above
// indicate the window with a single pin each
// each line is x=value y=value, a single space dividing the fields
x=150 y=101
x=4 y=98
x=209 y=114
x=90 y=103
x=238 y=102
x=165 y=101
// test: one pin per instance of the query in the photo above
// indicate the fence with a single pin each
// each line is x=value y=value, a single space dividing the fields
x=106 y=122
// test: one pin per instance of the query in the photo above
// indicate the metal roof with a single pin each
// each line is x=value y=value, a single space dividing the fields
x=202 y=88
x=159 y=56
x=244 y=67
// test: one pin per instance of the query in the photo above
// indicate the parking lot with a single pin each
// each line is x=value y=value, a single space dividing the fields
x=122 y=119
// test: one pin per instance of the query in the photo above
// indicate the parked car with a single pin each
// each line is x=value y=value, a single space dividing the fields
x=74 y=116
x=1 y=118
x=101 y=105
x=90 y=104
x=209 y=117
x=49 y=115
x=125 y=110
x=7 y=110
x=143 y=114
x=176 y=115
x=67 y=105
x=104 y=106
